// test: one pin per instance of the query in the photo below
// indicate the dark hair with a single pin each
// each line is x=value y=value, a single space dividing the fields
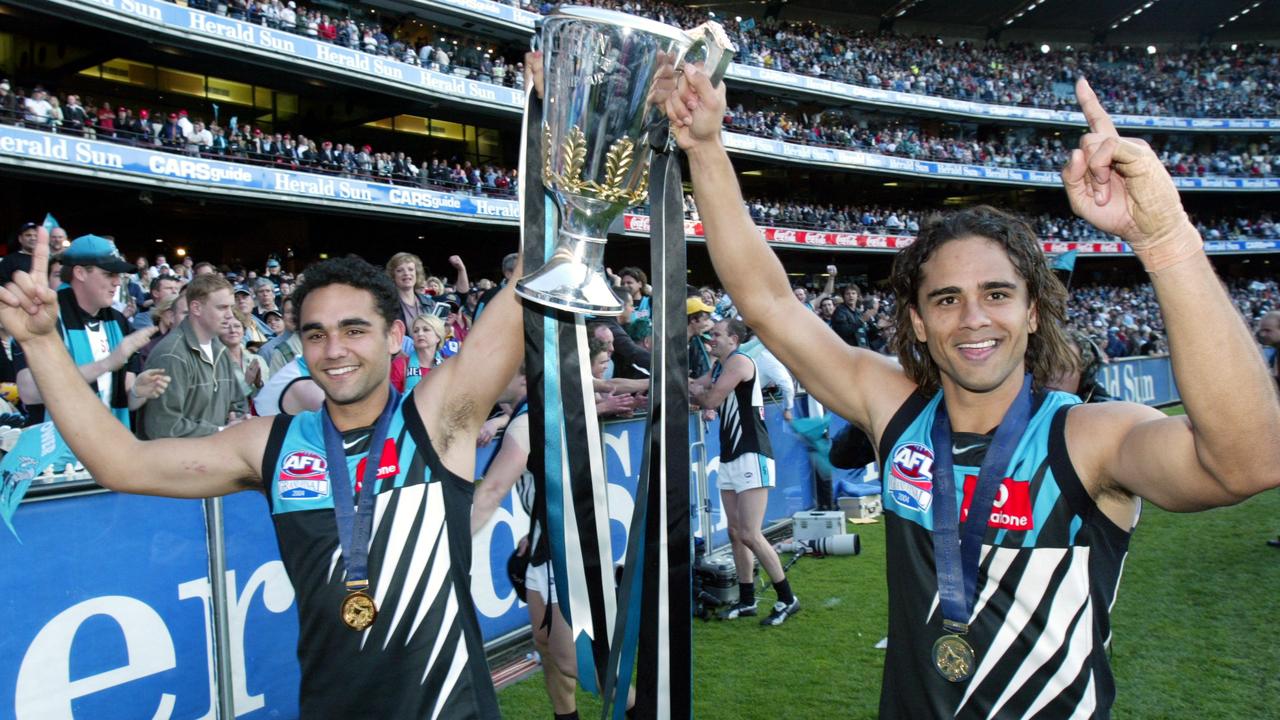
x=1048 y=354
x=639 y=276
x=737 y=328
x=155 y=283
x=355 y=272
x=595 y=347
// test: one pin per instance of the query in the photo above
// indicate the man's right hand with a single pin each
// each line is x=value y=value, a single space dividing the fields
x=696 y=109
x=130 y=344
x=28 y=306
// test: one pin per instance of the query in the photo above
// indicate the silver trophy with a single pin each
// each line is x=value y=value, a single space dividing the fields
x=602 y=111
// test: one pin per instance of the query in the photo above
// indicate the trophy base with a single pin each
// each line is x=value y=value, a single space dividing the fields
x=572 y=288
x=573 y=279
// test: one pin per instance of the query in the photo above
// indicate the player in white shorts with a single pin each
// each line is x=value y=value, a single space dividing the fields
x=746 y=467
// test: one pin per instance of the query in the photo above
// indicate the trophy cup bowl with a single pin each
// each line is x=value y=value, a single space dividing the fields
x=602 y=112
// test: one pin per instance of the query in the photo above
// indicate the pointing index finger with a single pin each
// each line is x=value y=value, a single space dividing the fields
x=40 y=257
x=1099 y=120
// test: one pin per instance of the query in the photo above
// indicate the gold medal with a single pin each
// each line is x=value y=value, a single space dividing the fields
x=359 y=611
x=953 y=657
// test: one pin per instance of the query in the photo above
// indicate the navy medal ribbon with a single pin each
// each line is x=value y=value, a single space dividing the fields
x=957 y=548
x=354 y=516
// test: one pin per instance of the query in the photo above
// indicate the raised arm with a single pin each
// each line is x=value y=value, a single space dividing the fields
x=737 y=369
x=502 y=474
x=462 y=285
x=205 y=467
x=1224 y=450
x=90 y=371
x=455 y=398
x=861 y=386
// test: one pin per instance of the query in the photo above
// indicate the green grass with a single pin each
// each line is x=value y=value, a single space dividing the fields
x=1194 y=631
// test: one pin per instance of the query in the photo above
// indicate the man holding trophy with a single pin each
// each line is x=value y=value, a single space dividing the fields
x=1008 y=614
x=599 y=143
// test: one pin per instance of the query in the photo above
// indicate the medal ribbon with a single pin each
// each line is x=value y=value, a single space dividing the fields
x=956 y=549
x=355 y=523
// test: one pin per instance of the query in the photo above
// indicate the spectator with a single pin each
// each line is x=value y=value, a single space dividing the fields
x=96 y=335
x=410 y=278
x=250 y=369
x=256 y=332
x=206 y=395
x=635 y=289
x=166 y=315
x=284 y=347
x=699 y=314
x=164 y=286
x=21 y=260
x=849 y=320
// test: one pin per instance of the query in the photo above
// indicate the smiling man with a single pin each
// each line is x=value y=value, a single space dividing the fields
x=1008 y=614
x=371 y=495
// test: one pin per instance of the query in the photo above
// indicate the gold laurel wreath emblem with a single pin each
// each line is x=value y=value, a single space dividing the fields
x=617 y=164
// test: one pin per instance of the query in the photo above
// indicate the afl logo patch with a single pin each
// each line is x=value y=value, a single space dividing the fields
x=304 y=475
x=911 y=476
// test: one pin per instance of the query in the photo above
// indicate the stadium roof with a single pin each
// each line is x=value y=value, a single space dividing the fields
x=1115 y=21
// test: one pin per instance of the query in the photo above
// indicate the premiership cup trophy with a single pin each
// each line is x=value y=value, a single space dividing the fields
x=601 y=115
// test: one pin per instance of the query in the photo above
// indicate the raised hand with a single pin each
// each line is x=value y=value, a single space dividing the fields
x=696 y=109
x=533 y=71
x=130 y=344
x=456 y=262
x=1120 y=186
x=28 y=306
x=150 y=384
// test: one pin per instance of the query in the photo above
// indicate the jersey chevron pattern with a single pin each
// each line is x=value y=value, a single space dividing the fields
x=742 y=428
x=423 y=657
x=1047 y=578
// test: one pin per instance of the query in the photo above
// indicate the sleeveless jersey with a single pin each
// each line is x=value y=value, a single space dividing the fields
x=423 y=657
x=742 y=416
x=1047 y=577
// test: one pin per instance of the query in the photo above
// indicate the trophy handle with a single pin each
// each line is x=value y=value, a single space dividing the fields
x=711 y=47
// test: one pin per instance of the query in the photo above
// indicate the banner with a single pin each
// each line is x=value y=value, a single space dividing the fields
x=23 y=146
x=107 y=595
x=307 y=54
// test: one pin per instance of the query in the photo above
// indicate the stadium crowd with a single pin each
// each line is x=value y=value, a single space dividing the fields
x=1201 y=81
x=1206 y=81
x=405 y=39
x=1008 y=148
x=181 y=132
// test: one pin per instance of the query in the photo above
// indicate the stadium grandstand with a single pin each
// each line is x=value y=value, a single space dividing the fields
x=246 y=132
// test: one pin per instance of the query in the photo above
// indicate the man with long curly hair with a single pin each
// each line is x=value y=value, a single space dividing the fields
x=1007 y=614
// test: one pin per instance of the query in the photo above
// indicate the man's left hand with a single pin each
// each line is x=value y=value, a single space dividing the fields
x=1120 y=187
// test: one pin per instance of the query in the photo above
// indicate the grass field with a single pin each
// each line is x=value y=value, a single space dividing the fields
x=1194 y=631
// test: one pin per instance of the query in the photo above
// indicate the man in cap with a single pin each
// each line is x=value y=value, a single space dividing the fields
x=273 y=272
x=20 y=260
x=699 y=313
x=96 y=335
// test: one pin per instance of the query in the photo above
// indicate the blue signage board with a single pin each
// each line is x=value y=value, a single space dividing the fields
x=92 y=156
x=108 y=598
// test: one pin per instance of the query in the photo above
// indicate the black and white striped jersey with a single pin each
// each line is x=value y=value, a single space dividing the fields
x=1047 y=578
x=742 y=428
x=423 y=657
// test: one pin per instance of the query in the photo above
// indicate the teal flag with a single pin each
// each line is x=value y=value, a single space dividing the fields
x=1066 y=262
x=39 y=447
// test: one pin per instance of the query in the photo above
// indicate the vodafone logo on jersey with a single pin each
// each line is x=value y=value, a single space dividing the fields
x=388 y=463
x=911 y=476
x=1012 y=507
x=304 y=475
